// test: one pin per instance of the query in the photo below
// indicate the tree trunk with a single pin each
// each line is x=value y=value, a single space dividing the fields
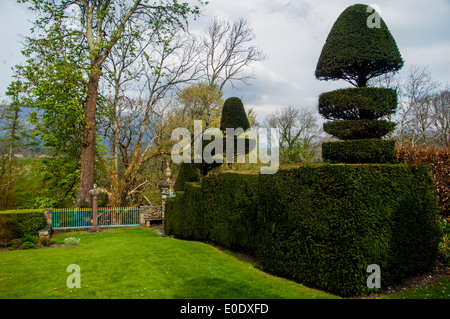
x=10 y=158
x=88 y=152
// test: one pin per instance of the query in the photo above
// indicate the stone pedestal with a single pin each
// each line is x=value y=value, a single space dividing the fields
x=95 y=193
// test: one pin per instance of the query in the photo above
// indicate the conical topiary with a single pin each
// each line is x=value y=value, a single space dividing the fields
x=233 y=115
x=356 y=51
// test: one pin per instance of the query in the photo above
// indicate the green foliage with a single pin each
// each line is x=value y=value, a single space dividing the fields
x=187 y=173
x=10 y=229
x=65 y=61
x=203 y=212
x=29 y=241
x=359 y=129
x=359 y=151
x=230 y=209
x=321 y=225
x=187 y=214
x=31 y=220
x=25 y=185
x=45 y=241
x=358 y=103
x=233 y=115
x=355 y=52
x=15 y=138
x=201 y=101
x=444 y=245
x=208 y=162
x=55 y=89
x=28 y=245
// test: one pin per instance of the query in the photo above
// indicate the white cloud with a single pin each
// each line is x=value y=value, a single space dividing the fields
x=292 y=34
x=13 y=28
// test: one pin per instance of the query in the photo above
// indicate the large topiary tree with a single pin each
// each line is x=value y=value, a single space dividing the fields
x=234 y=116
x=357 y=51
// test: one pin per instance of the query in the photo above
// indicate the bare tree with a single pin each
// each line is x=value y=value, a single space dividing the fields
x=298 y=130
x=414 y=114
x=228 y=53
x=95 y=27
x=134 y=127
x=441 y=109
x=418 y=89
x=423 y=113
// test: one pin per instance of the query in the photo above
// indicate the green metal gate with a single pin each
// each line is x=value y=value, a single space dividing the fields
x=64 y=218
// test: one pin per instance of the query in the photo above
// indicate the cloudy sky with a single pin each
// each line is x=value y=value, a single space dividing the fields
x=291 y=34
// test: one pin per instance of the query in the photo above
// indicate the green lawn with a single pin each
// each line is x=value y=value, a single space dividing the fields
x=439 y=290
x=136 y=263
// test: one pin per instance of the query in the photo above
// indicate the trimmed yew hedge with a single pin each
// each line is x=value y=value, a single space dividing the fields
x=322 y=225
x=30 y=220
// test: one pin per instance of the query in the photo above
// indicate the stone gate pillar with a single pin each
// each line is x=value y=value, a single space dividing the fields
x=167 y=190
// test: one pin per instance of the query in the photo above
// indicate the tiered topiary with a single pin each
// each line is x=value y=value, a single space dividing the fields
x=357 y=51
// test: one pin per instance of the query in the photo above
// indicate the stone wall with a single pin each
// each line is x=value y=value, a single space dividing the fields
x=150 y=213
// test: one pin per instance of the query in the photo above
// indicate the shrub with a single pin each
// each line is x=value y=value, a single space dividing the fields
x=72 y=240
x=359 y=151
x=322 y=225
x=32 y=220
x=234 y=116
x=10 y=229
x=444 y=245
x=359 y=129
x=45 y=241
x=28 y=245
x=28 y=241
x=29 y=238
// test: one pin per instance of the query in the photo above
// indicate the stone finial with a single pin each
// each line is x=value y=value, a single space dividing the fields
x=168 y=172
x=95 y=191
